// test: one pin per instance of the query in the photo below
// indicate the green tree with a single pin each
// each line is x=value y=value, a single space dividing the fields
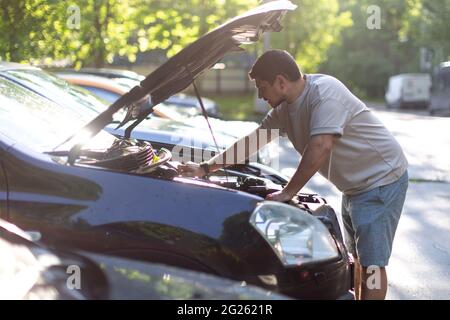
x=365 y=58
x=310 y=30
x=31 y=30
x=26 y=28
x=105 y=29
x=170 y=25
x=433 y=19
x=332 y=33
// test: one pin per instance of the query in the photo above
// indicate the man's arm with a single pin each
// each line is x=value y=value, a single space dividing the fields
x=315 y=156
x=240 y=151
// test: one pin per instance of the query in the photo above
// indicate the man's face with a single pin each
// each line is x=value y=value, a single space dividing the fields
x=273 y=94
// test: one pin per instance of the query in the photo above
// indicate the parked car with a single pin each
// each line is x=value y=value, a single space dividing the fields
x=184 y=103
x=112 y=90
x=440 y=94
x=124 y=198
x=30 y=270
x=408 y=91
x=109 y=73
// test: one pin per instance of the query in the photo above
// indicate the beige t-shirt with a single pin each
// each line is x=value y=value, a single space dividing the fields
x=365 y=156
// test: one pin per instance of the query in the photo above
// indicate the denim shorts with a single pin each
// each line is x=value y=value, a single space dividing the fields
x=370 y=221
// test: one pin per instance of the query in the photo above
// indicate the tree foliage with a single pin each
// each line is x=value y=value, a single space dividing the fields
x=332 y=34
x=310 y=30
x=26 y=28
x=35 y=29
x=435 y=30
x=125 y=27
x=171 y=25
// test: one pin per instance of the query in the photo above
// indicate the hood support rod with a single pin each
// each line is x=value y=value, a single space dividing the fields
x=205 y=114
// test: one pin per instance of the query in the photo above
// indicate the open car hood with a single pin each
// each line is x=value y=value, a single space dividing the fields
x=179 y=72
x=182 y=69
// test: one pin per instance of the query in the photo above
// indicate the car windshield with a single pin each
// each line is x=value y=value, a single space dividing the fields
x=57 y=89
x=60 y=91
x=81 y=100
x=39 y=123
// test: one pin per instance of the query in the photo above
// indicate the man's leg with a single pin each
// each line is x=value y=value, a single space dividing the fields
x=374 y=216
x=370 y=283
x=357 y=280
x=373 y=284
x=349 y=236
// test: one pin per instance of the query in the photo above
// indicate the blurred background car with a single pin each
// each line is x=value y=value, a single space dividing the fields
x=111 y=90
x=30 y=270
x=440 y=94
x=408 y=91
x=183 y=102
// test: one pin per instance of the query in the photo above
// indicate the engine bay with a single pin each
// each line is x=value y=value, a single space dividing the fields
x=139 y=158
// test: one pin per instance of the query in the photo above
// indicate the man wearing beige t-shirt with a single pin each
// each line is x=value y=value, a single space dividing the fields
x=339 y=137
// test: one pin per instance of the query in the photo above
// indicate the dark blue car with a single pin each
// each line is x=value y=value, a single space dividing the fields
x=123 y=197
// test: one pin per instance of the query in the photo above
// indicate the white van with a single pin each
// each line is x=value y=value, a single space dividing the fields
x=408 y=90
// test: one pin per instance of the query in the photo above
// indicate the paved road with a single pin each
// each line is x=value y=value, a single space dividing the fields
x=420 y=264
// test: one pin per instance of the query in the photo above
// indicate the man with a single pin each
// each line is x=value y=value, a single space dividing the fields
x=337 y=135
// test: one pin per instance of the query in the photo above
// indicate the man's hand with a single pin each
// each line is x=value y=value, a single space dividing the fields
x=191 y=169
x=316 y=153
x=280 y=196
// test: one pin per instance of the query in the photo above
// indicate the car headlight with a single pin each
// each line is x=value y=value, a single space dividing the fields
x=295 y=236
